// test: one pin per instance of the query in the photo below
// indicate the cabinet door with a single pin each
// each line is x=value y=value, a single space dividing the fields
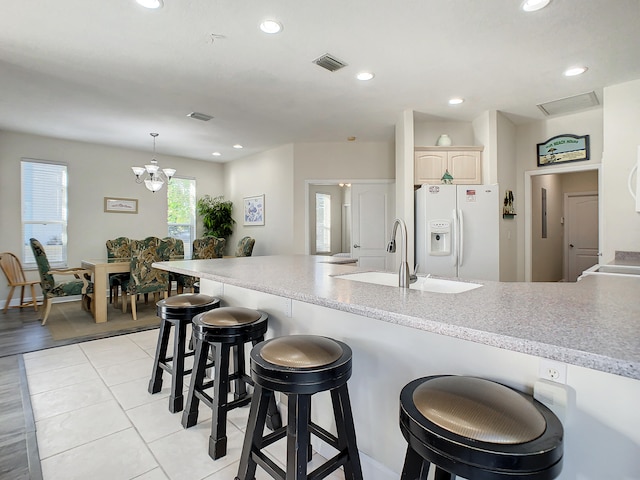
x=429 y=167
x=465 y=167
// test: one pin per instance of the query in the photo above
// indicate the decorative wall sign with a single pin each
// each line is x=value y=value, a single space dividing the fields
x=120 y=205
x=254 y=210
x=562 y=149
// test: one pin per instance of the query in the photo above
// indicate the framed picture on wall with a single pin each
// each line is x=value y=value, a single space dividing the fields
x=120 y=205
x=562 y=149
x=254 y=210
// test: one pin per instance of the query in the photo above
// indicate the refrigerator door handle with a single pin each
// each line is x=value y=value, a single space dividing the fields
x=461 y=226
x=454 y=233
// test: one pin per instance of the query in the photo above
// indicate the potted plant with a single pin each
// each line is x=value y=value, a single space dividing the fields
x=216 y=216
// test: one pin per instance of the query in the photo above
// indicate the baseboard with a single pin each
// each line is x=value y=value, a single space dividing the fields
x=16 y=301
x=371 y=468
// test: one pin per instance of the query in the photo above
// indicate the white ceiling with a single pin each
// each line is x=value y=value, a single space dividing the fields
x=111 y=72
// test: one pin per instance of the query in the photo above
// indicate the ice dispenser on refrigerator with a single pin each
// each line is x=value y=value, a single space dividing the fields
x=439 y=237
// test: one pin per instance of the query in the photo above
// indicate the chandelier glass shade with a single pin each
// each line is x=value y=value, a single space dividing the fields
x=151 y=174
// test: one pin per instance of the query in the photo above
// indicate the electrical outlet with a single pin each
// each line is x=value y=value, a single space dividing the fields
x=287 y=307
x=552 y=370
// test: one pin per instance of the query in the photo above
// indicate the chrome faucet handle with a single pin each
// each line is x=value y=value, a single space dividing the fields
x=413 y=277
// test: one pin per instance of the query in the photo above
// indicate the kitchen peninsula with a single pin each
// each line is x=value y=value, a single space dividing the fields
x=500 y=331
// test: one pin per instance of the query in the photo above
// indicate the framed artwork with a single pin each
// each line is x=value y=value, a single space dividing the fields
x=120 y=205
x=562 y=149
x=254 y=210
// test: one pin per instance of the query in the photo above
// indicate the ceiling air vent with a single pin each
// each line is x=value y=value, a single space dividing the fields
x=329 y=62
x=569 y=104
x=200 y=116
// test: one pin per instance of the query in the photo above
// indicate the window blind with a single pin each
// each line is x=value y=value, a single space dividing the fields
x=44 y=210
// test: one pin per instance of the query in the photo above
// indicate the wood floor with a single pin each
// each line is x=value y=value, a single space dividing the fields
x=20 y=332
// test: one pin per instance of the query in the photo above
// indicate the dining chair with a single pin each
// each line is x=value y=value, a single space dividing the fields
x=245 y=247
x=144 y=278
x=117 y=248
x=203 y=248
x=172 y=249
x=12 y=269
x=51 y=289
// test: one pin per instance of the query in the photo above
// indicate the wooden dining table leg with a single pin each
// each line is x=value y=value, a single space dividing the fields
x=99 y=303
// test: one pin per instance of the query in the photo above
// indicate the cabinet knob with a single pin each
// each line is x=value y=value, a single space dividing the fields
x=571 y=245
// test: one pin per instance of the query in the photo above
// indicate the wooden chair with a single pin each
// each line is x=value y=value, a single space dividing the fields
x=52 y=289
x=12 y=269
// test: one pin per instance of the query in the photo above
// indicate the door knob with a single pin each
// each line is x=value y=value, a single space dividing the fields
x=355 y=245
x=571 y=245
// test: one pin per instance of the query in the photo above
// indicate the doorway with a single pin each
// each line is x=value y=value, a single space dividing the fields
x=550 y=219
x=364 y=221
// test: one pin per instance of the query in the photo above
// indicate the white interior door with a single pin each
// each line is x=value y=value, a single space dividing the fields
x=371 y=207
x=581 y=222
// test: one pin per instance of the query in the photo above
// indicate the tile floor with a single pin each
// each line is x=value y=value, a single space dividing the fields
x=94 y=418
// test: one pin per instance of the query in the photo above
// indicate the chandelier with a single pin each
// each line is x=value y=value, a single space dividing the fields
x=152 y=176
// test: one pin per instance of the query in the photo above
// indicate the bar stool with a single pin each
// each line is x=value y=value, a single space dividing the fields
x=226 y=330
x=176 y=311
x=300 y=366
x=477 y=429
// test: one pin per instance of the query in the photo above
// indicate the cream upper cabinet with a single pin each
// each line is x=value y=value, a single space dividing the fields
x=464 y=164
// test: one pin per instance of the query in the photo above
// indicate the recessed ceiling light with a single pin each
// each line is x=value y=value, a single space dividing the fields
x=533 y=5
x=216 y=154
x=572 y=72
x=271 y=26
x=456 y=101
x=238 y=146
x=150 y=3
x=364 y=76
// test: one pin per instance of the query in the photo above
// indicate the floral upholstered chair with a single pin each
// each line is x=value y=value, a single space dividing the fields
x=245 y=247
x=117 y=248
x=81 y=285
x=172 y=249
x=203 y=248
x=208 y=247
x=144 y=278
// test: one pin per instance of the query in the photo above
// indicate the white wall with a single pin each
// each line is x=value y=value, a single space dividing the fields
x=426 y=133
x=95 y=172
x=269 y=173
x=506 y=177
x=621 y=223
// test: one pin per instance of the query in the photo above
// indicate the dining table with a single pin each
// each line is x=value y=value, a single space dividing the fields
x=100 y=269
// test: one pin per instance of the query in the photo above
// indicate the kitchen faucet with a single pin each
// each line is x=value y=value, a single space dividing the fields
x=404 y=277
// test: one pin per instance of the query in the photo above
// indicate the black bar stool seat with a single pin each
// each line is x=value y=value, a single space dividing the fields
x=176 y=311
x=300 y=366
x=226 y=330
x=477 y=429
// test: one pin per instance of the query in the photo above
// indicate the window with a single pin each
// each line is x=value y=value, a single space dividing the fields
x=181 y=212
x=323 y=223
x=44 y=210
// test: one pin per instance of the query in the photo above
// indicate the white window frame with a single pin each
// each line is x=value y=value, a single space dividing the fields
x=56 y=252
x=192 y=225
x=323 y=223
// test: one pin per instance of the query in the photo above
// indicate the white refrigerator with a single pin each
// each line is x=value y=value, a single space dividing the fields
x=457 y=231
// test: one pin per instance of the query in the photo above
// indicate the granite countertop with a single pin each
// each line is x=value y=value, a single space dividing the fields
x=594 y=323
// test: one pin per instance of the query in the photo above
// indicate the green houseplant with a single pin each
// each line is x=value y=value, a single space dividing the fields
x=216 y=216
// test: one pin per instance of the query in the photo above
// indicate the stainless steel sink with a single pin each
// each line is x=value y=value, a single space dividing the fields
x=426 y=284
